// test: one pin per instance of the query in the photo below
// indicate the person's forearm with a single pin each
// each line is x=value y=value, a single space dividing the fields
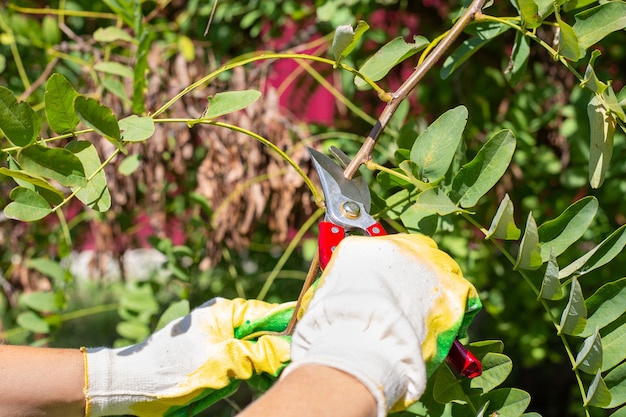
x=41 y=382
x=314 y=391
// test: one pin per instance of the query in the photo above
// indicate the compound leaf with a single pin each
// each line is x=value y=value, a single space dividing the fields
x=95 y=193
x=595 y=24
x=18 y=121
x=59 y=104
x=503 y=224
x=589 y=358
x=58 y=164
x=551 y=288
x=529 y=254
x=605 y=306
x=27 y=205
x=598 y=394
x=574 y=317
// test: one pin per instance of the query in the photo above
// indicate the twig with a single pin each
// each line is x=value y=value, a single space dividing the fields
x=365 y=153
x=42 y=78
x=310 y=278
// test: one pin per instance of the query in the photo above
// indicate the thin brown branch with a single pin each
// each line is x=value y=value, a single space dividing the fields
x=42 y=78
x=310 y=278
x=365 y=153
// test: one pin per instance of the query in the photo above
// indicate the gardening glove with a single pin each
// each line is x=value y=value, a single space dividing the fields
x=191 y=363
x=387 y=309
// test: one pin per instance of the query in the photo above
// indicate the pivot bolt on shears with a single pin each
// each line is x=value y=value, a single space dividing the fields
x=348 y=203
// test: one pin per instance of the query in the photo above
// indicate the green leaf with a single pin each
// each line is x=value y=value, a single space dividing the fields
x=32 y=322
x=23 y=178
x=530 y=13
x=485 y=32
x=414 y=172
x=568 y=41
x=112 y=34
x=387 y=57
x=58 y=164
x=519 y=59
x=591 y=81
x=27 y=205
x=598 y=394
x=18 y=121
x=529 y=254
x=122 y=8
x=551 y=288
x=114 y=68
x=503 y=224
x=507 y=402
x=435 y=148
x=40 y=301
x=229 y=102
x=605 y=306
x=175 y=310
x=595 y=24
x=133 y=330
x=496 y=368
x=589 y=358
x=619 y=413
x=419 y=220
x=95 y=194
x=602 y=124
x=608 y=249
x=477 y=177
x=136 y=129
x=574 y=317
x=346 y=38
x=140 y=81
x=435 y=200
x=59 y=104
x=129 y=164
x=100 y=118
x=50 y=268
x=613 y=346
x=447 y=387
x=560 y=233
x=616 y=384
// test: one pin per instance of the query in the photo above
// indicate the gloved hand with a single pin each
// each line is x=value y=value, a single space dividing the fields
x=387 y=309
x=197 y=359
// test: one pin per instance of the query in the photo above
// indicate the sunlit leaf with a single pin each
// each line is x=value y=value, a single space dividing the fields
x=616 y=384
x=18 y=121
x=100 y=118
x=435 y=200
x=574 y=317
x=58 y=164
x=129 y=164
x=114 y=68
x=27 y=205
x=387 y=57
x=503 y=224
x=608 y=249
x=141 y=69
x=530 y=13
x=602 y=126
x=229 y=102
x=507 y=401
x=595 y=24
x=598 y=394
x=23 y=178
x=32 y=322
x=519 y=59
x=591 y=81
x=435 y=148
x=619 y=413
x=496 y=368
x=133 y=330
x=529 y=253
x=560 y=233
x=485 y=31
x=175 y=310
x=551 y=288
x=136 y=129
x=112 y=34
x=605 y=306
x=95 y=194
x=613 y=345
x=346 y=38
x=59 y=104
x=568 y=41
x=589 y=358
x=479 y=175
x=42 y=301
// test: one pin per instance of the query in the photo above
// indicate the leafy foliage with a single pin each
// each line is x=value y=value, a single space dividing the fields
x=469 y=159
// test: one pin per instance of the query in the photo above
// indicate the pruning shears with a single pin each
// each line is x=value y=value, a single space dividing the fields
x=348 y=203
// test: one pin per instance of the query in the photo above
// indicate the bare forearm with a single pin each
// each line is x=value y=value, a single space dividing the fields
x=314 y=391
x=41 y=382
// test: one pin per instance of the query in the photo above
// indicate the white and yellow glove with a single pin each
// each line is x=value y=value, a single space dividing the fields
x=191 y=363
x=387 y=309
